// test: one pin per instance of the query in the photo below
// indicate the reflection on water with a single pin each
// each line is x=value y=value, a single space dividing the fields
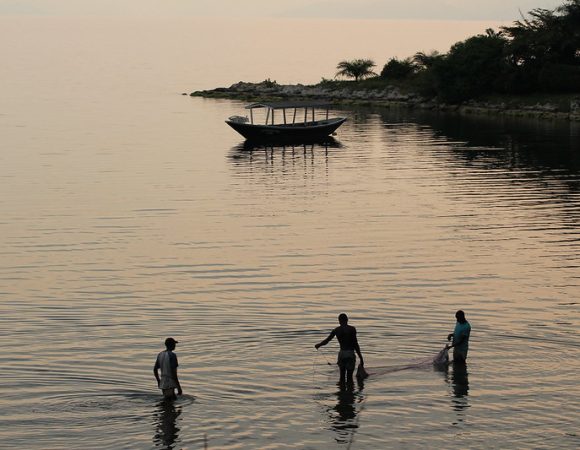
x=459 y=380
x=539 y=144
x=459 y=383
x=165 y=420
x=343 y=416
x=282 y=153
x=289 y=145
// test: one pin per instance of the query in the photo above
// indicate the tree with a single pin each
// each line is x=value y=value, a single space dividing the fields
x=546 y=37
x=396 y=69
x=471 y=68
x=357 y=69
x=424 y=61
x=544 y=49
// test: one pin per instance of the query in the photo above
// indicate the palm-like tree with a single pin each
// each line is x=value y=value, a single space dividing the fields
x=426 y=60
x=357 y=68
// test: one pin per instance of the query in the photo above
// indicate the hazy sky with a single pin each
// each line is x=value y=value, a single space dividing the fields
x=344 y=9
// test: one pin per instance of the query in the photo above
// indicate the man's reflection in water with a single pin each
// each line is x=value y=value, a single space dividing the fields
x=166 y=429
x=460 y=385
x=343 y=416
x=460 y=382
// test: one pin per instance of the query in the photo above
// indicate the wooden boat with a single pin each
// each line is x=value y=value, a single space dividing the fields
x=303 y=124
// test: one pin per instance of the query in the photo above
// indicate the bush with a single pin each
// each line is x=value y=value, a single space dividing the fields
x=559 y=78
x=269 y=83
x=396 y=69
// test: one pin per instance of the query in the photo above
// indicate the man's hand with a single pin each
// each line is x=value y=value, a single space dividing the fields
x=449 y=336
x=179 y=391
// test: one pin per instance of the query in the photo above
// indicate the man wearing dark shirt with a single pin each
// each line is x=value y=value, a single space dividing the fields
x=346 y=335
x=460 y=338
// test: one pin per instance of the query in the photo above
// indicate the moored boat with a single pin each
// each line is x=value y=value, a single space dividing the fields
x=300 y=123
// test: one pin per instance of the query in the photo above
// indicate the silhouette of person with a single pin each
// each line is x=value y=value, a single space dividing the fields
x=167 y=363
x=346 y=335
x=460 y=338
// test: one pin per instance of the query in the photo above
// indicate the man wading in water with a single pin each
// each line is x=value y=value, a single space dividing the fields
x=460 y=336
x=167 y=362
x=346 y=336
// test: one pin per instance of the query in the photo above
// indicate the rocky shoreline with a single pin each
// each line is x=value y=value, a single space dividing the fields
x=389 y=96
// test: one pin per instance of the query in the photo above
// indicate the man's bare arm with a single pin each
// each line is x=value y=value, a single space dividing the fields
x=156 y=372
x=357 y=349
x=327 y=340
x=179 y=390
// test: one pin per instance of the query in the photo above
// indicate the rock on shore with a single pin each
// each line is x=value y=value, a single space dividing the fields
x=388 y=96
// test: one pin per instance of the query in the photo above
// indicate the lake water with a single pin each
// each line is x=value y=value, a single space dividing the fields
x=130 y=213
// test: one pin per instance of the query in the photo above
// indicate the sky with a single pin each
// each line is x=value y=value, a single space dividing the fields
x=496 y=10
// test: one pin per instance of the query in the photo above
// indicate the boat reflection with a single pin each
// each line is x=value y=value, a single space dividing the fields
x=270 y=154
x=288 y=145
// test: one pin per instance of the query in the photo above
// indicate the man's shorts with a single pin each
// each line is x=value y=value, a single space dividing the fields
x=346 y=359
x=169 y=393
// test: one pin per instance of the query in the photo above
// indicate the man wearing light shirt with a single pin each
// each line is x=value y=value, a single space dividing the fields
x=167 y=363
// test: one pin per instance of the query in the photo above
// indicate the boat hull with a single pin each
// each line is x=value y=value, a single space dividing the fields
x=311 y=130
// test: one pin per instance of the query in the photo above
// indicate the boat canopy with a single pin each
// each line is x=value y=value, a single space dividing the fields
x=289 y=105
x=271 y=107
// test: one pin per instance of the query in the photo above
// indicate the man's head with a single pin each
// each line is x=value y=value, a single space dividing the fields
x=170 y=343
x=342 y=319
x=460 y=316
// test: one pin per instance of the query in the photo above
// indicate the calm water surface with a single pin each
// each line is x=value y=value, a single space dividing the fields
x=130 y=213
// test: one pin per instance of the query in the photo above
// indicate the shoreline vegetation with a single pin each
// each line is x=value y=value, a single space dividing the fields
x=528 y=69
x=543 y=106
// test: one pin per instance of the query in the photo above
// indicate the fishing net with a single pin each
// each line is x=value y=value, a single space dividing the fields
x=442 y=358
x=361 y=373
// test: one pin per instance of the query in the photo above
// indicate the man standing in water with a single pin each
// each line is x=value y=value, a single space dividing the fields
x=346 y=335
x=167 y=362
x=460 y=336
